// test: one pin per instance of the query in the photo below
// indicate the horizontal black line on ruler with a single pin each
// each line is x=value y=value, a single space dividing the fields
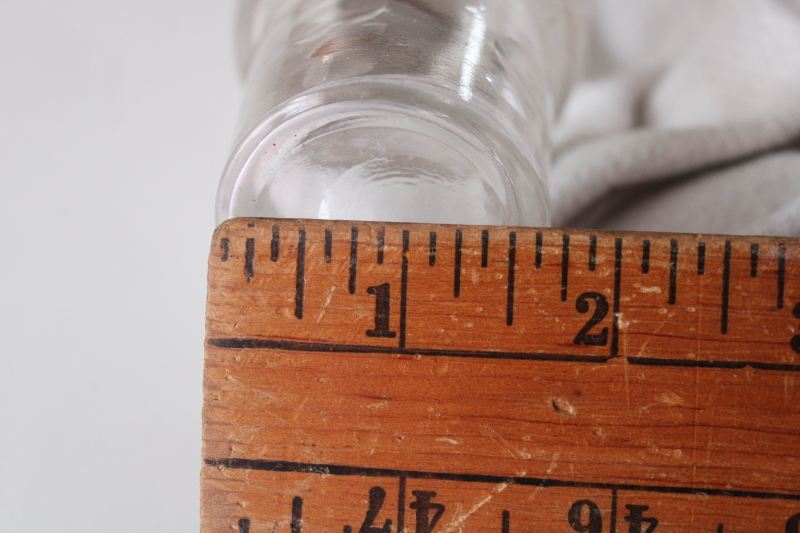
x=235 y=343
x=269 y=344
x=339 y=470
x=658 y=361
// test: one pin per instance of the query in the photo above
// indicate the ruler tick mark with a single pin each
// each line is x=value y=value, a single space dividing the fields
x=753 y=260
x=300 y=284
x=506 y=524
x=328 y=245
x=432 y=250
x=617 y=289
x=512 y=258
x=297 y=514
x=276 y=243
x=484 y=248
x=726 y=281
x=457 y=266
x=244 y=525
x=404 y=289
x=701 y=258
x=401 y=505
x=564 y=267
x=781 y=272
x=592 y=252
x=613 y=527
x=381 y=235
x=538 y=250
x=645 y=256
x=351 y=284
x=249 y=258
x=673 y=270
x=225 y=245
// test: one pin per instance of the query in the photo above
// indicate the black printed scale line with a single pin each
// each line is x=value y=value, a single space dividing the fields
x=781 y=273
x=564 y=266
x=404 y=289
x=538 y=260
x=275 y=344
x=275 y=245
x=726 y=282
x=342 y=470
x=732 y=365
x=296 y=524
x=381 y=236
x=351 y=284
x=225 y=246
x=300 y=282
x=613 y=526
x=328 y=245
x=249 y=259
x=484 y=248
x=617 y=289
x=401 y=504
x=673 y=271
x=701 y=258
x=294 y=346
x=512 y=261
x=457 y=266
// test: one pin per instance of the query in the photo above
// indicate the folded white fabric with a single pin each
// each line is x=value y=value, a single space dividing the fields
x=687 y=120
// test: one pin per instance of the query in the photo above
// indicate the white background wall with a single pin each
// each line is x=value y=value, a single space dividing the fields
x=116 y=119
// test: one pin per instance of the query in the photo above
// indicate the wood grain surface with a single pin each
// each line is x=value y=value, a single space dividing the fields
x=385 y=378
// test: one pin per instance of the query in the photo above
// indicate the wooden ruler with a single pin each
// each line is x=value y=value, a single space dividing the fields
x=402 y=378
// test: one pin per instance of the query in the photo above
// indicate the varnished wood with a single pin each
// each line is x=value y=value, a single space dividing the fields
x=468 y=381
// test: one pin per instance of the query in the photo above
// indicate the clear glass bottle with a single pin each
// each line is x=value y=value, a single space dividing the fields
x=399 y=110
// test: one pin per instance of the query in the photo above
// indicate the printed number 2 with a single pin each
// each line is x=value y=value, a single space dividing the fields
x=382 y=294
x=600 y=312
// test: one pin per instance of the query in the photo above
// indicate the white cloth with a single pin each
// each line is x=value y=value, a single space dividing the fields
x=688 y=120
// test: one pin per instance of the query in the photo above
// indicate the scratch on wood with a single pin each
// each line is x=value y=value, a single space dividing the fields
x=456 y=525
x=502 y=443
x=553 y=464
x=325 y=304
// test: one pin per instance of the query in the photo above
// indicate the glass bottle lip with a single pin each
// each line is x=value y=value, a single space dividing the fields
x=405 y=100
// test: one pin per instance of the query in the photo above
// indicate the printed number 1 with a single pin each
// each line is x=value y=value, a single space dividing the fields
x=382 y=311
